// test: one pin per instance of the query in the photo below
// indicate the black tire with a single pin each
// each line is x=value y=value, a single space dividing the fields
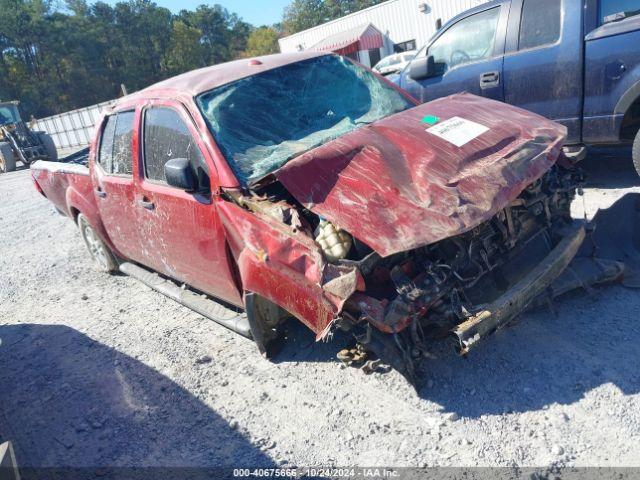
x=7 y=159
x=101 y=254
x=635 y=152
x=265 y=321
x=49 y=146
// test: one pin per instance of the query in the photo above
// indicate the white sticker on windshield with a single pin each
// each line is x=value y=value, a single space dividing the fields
x=457 y=130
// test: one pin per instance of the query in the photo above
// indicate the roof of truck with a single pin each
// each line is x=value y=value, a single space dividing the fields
x=202 y=80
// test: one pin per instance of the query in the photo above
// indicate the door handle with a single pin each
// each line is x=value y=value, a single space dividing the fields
x=101 y=193
x=145 y=203
x=489 y=79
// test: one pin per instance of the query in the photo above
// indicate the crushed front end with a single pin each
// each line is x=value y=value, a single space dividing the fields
x=467 y=286
x=401 y=236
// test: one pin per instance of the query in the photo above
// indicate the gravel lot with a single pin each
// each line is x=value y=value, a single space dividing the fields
x=99 y=370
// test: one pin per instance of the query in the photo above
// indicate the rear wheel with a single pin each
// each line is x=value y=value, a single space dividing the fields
x=49 y=146
x=636 y=152
x=99 y=251
x=7 y=159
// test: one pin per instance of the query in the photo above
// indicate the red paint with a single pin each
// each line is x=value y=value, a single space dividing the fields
x=397 y=187
x=390 y=184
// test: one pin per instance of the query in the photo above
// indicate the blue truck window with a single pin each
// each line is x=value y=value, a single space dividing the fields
x=469 y=40
x=614 y=10
x=540 y=23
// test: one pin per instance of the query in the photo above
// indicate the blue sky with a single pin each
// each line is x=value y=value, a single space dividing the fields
x=256 y=12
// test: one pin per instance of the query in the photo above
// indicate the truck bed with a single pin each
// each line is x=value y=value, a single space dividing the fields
x=66 y=183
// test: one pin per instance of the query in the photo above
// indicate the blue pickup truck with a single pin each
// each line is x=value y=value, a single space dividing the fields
x=574 y=61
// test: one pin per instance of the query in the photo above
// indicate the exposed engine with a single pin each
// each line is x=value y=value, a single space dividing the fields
x=447 y=278
x=426 y=292
x=412 y=297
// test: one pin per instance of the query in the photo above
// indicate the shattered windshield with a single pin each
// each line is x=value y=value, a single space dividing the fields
x=263 y=121
x=8 y=114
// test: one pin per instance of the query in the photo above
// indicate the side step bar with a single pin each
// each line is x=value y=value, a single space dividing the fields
x=234 y=321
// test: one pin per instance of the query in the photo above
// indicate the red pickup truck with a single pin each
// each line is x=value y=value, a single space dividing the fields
x=304 y=185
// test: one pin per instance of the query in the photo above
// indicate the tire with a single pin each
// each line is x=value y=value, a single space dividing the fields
x=49 y=146
x=265 y=321
x=7 y=159
x=635 y=153
x=101 y=254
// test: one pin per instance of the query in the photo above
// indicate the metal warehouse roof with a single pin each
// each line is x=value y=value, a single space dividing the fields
x=398 y=20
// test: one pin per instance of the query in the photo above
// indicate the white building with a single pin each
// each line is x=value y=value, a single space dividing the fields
x=378 y=31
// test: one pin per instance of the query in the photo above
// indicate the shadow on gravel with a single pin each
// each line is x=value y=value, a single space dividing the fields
x=300 y=345
x=67 y=400
x=610 y=168
x=546 y=358
x=542 y=358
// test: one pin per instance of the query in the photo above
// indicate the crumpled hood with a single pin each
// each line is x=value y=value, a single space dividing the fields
x=396 y=186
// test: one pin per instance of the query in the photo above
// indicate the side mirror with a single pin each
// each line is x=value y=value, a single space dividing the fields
x=423 y=67
x=179 y=174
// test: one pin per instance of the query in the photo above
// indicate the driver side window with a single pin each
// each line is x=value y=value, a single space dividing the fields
x=469 y=40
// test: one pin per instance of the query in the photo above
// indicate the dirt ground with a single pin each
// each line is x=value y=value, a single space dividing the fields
x=98 y=370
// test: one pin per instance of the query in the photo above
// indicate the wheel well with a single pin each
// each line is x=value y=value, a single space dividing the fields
x=74 y=214
x=631 y=121
x=233 y=266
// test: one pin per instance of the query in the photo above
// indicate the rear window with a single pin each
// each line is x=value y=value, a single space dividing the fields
x=115 y=155
x=122 y=154
x=540 y=23
x=614 y=10
x=105 y=157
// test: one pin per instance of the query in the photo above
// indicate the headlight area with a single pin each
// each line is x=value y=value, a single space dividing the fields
x=334 y=242
x=431 y=291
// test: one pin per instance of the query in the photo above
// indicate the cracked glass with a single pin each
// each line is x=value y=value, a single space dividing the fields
x=263 y=121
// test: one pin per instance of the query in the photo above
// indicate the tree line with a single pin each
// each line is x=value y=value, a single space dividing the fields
x=54 y=59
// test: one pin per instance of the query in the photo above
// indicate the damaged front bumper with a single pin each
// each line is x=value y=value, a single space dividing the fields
x=516 y=299
x=563 y=269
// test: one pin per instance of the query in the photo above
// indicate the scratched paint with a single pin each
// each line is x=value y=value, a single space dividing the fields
x=390 y=184
x=396 y=187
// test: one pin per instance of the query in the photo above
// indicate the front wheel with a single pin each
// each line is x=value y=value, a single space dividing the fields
x=102 y=256
x=635 y=153
x=49 y=146
x=7 y=159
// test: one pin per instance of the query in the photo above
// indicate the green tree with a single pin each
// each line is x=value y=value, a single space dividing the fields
x=55 y=60
x=185 y=51
x=223 y=34
x=262 y=41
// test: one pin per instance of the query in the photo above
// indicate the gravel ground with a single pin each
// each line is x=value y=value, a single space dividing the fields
x=99 y=370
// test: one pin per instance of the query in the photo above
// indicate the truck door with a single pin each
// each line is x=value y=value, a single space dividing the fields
x=113 y=183
x=180 y=232
x=543 y=63
x=468 y=57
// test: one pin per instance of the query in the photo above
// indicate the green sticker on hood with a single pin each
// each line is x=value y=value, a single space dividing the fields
x=430 y=119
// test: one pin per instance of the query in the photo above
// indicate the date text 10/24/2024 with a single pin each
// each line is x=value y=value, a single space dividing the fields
x=329 y=472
